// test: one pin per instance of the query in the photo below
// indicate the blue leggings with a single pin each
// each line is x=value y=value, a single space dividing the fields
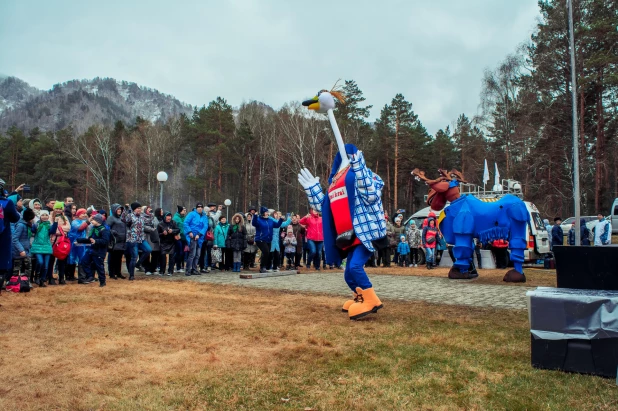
x=355 y=274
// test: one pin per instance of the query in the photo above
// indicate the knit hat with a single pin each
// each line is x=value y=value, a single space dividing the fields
x=199 y=205
x=263 y=210
x=99 y=218
x=101 y=211
x=403 y=237
x=59 y=205
x=28 y=215
x=80 y=212
x=167 y=213
x=43 y=212
x=211 y=204
x=290 y=229
x=135 y=206
x=252 y=208
x=180 y=208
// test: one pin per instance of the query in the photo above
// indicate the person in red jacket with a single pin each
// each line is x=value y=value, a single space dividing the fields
x=315 y=237
x=430 y=239
x=501 y=252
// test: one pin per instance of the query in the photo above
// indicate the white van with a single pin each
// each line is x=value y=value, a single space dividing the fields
x=536 y=234
x=613 y=215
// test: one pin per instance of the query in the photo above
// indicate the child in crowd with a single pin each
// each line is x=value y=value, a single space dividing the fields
x=21 y=244
x=99 y=239
x=403 y=249
x=41 y=247
x=289 y=242
x=414 y=241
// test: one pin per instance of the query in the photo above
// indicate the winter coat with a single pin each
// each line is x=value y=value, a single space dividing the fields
x=414 y=237
x=236 y=235
x=117 y=228
x=289 y=244
x=250 y=236
x=153 y=234
x=264 y=228
x=299 y=233
x=274 y=245
x=429 y=232
x=180 y=223
x=557 y=235
x=213 y=220
x=403 y=248
x=100 y=235
x=584 y=232
x=41 y=243
x=62 y=226
x=602 y=233
x=315 y=230
x=21 y=238
x=196 y=224
x=11 y=217
x=78 y=230
x=221 y=234
x=167 y=241
x=67 y=212
x=135 y=225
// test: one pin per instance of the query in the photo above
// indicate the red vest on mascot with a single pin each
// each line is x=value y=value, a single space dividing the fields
x=340 y=204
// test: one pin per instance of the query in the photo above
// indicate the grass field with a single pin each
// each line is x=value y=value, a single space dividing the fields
x=163 y=345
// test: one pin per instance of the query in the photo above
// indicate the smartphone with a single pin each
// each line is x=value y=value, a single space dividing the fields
x=287 y=215
x=26 y=188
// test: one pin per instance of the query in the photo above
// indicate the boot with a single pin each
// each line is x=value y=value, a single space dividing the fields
x=52 y=281
x=41 y=283
x=347 y=304
x=368 y=302
x=122 y=277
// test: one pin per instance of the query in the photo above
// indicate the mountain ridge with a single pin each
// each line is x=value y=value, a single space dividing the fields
x=83 y=103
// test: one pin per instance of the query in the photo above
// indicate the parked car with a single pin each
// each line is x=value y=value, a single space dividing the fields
x=590 y=223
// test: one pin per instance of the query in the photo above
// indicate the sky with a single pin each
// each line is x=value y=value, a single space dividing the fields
x=433 y=52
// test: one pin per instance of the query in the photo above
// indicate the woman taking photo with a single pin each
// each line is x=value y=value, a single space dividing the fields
x=264 y=226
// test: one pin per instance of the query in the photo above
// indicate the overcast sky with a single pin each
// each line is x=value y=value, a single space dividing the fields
x=434 y=52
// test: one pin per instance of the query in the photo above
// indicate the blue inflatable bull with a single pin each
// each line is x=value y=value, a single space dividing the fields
x=468 y=217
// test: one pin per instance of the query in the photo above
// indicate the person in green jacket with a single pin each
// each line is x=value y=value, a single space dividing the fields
x=220 y=237
x=42 y=248
x=179 y=252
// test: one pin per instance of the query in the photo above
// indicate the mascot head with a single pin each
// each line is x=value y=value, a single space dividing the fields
x=324 y=101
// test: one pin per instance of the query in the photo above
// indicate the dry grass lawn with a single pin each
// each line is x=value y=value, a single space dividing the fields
x=534 y=277
x=162 y=345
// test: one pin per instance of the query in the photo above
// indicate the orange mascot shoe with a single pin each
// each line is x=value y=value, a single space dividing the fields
x=368 y=302
x=347 y=304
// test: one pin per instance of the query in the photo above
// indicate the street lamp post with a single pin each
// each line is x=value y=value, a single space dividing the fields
x=162 y=177
x=576 y=193
x=227 y=203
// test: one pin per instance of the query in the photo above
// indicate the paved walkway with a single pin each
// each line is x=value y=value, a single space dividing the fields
x=430 y=289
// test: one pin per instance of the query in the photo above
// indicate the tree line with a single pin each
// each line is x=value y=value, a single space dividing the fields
x=252 y=155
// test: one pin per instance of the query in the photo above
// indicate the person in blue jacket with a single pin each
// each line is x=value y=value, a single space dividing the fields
x=220 y=236
x=275 y=246
x=264 y=226
x=403 y=249
x=557 y=235
x=195 y=227
x=9 y=216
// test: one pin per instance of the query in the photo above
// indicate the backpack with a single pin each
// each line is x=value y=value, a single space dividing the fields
x=62 y=246
x=19 y=284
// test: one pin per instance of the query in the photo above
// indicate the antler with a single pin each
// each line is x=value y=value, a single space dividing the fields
x=458 y=176
x=420 y=175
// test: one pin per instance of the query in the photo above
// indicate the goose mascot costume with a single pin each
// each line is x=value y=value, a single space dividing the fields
x=352 y=212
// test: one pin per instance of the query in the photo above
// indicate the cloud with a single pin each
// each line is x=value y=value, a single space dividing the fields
x=275 y=51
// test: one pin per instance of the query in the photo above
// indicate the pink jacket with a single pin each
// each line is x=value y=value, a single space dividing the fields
x=315 y=232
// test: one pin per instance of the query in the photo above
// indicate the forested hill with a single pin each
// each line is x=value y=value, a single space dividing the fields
x=82 y=103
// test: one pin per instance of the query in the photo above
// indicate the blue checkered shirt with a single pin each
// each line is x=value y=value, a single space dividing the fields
x=368 y=219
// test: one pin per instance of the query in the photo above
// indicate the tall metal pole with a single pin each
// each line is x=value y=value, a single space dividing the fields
x=161 y=197
x=576 y=194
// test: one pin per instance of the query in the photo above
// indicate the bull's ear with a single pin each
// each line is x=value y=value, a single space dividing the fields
x=518 y=212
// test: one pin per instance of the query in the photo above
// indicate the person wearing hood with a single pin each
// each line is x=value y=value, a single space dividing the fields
x=179 y=252
x=136 y=235
x=99 y=240
x=168 y=233
x=414 y=241
x=117 y=231
x=35 y=205
x=41 y=247
x=11 y=217
x=430 y=239
x=21 y=244
x=63 y=228
x=236 y=240
x=299 y=234
x=220 y=239
x=213 y=211
x=398 y=230
x=79 y=225
x=275 y=246
x=251 y=250
x=264 y=226
x=151 y=265
x=195 y=227
x=17 y=200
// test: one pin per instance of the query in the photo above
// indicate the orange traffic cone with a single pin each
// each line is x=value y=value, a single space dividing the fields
x=368 y=302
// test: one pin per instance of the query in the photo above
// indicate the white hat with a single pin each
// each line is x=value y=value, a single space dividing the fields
x=43 y=212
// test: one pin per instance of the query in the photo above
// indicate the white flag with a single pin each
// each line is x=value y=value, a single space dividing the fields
x=497 y=177
x=485 y=174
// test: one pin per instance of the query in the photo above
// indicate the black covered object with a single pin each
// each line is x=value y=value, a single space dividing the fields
x=574 y=330
x=586 y=267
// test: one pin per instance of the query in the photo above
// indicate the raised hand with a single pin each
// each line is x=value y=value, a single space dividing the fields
x=306 y=179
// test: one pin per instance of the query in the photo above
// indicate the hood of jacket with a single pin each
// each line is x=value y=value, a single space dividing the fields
x=582 y=222
x=114 y=208
x=242 y=218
